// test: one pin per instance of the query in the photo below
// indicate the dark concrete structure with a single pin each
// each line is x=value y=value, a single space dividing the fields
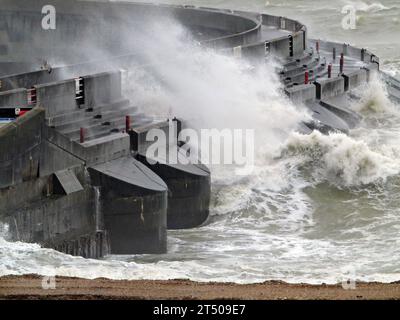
x=74 y=175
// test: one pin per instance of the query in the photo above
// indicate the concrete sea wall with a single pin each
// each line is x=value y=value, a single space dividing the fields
x=74 y=173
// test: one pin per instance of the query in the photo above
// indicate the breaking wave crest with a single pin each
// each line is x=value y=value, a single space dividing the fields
x=374 y=98
x=339 y=159
x=267 y=225
x=209 y=90
x=370 y=154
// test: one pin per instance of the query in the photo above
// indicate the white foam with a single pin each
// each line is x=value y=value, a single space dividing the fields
x=212 y=90
x=374 y=98
x=340 y=159
x=266 y=225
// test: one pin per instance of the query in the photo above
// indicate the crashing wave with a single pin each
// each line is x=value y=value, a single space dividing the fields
x=340 y=159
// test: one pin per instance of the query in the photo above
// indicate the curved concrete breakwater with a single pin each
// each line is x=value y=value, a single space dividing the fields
x=74 y=175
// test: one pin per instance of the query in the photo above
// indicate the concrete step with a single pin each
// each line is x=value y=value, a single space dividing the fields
x=85 y=112
x=299 y=60
x=104 y=122
x=313 y=73
x=300 y=68
x=99 y=131
x=93 y=118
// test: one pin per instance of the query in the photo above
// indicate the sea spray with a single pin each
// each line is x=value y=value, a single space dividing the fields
x=338 y=158
x=4 y=230
x=374 y=98
x=269 y=227
x=212 y=90
x=368 y=155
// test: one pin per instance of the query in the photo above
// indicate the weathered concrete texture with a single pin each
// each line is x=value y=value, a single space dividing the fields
x=94 y=245
x=102 y=88
x=325 y=120
x=280 y=47
x=57 y=97
x=250 y=52
x=55 y=219
x=358 y=53
x=189 y=191
x=20 y=144
x=32 y=78
x=65 y=224
x=95 y=151
x=338 y=105
x=329 y=87
x=138 y=135
x=285 y=47
x=35 y=212
x=121 y=205
x=189 y=185
x=105 y=149
x=53 y=158
x=105 y=24
x=24 y=80
x=14 y=98
x=134 y=203
x=354 y=79
x=27 y=192
x=282 y=23
x=61 y=97
x=63 y=208
x=11 y=67
x=65 y=182
x=238 y=30
x=301 y=93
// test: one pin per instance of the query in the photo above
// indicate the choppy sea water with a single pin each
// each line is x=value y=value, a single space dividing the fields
x=316 y=209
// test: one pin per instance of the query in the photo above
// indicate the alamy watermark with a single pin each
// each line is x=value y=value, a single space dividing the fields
x=49 y=283
x=49 y=21
x=349 y=21
x=234 y=147
x=349 y=278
